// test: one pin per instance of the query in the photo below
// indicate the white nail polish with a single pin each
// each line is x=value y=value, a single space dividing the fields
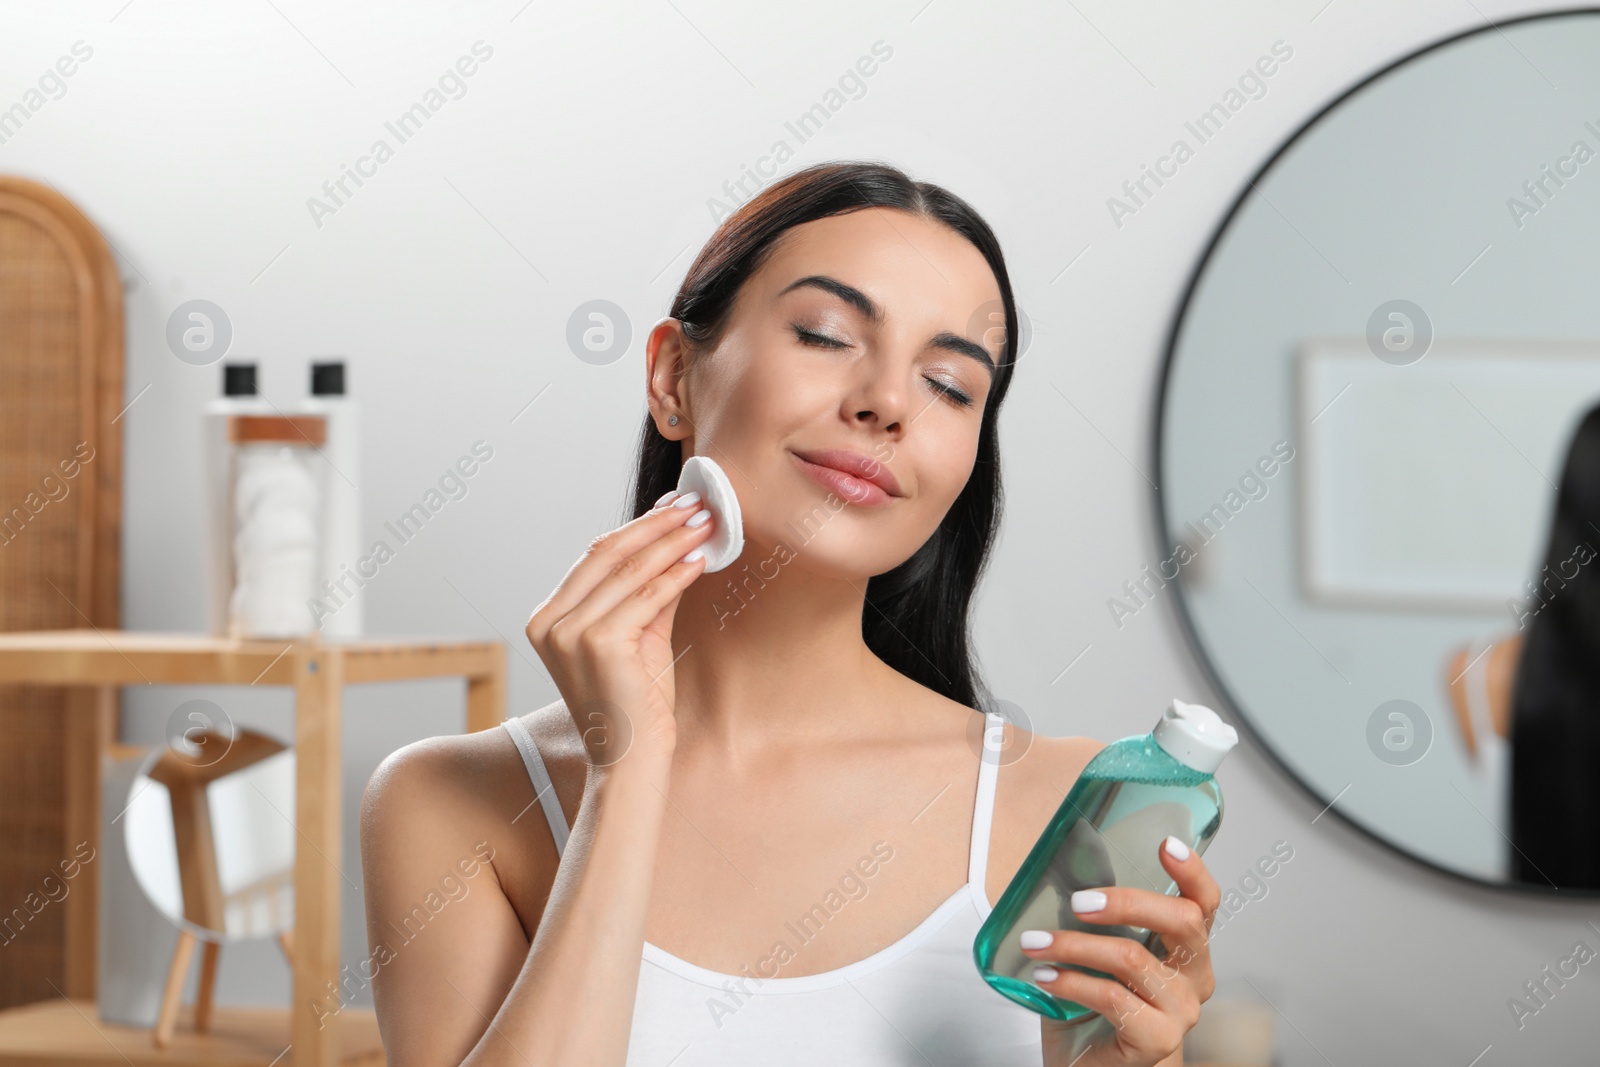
x=1045 y=974
x=1035 y=939
x=665 y=499
x=687 y=500
x=1085 y=900
x=1177 y=849
x=699 y=517
x=693 y=555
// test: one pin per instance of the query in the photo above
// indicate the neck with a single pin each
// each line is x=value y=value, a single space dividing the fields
x=770 y=655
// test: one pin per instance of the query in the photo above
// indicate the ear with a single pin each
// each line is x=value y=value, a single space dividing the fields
x=666 y=355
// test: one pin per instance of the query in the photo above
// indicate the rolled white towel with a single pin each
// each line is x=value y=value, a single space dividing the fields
x=277 y=494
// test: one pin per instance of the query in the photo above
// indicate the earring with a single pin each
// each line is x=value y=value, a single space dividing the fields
x=672 y=420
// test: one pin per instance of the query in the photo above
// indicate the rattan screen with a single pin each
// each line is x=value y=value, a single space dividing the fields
x=60 y=472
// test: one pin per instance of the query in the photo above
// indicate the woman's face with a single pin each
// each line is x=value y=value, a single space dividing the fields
x=863 y=333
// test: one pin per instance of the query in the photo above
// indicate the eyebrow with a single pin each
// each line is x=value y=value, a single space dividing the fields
x=946 y=340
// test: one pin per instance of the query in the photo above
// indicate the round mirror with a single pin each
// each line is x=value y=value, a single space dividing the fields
x=1379 y=456
x=209 y=830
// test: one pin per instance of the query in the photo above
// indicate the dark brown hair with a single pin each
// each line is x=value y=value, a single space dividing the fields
x=1555 y=727
x=916 y=615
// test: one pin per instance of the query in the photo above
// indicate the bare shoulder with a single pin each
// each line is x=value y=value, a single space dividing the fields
x=1036 y=773
x=1034 y=762
x=561 y=750
x=439 y=792
x=457 y=864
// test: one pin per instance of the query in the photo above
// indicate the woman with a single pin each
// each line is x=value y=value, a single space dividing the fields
x=773 y=772
x=1555 y=711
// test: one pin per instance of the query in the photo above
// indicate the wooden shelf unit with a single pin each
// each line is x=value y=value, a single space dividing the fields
x=53 y=1031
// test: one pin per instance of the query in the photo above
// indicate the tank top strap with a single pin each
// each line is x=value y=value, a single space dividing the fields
x=542 y=785
x=983 y=807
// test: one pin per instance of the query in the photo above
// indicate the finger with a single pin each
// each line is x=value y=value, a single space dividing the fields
x=1130 y=906
x=1189 y=913
x=1124 y=959
x=1192 y=876
x=634 y=594
x=1177 y=919
x=1190 y=947
x=631 y=572
x=603 y=552
x=607 y=552
x=1143 y=1025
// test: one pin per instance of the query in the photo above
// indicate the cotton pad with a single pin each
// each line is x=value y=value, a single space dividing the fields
x=702 y=475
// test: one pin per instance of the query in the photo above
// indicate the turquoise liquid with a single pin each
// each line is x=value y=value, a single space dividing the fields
x=1106 y=832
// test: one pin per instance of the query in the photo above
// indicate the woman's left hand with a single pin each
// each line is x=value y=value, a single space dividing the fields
x=1152 y=1003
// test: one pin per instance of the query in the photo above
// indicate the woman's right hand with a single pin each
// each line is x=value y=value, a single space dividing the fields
x=605 y=634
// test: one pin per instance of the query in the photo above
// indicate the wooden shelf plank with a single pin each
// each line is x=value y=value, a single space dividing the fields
x=69 y=1033
x=395 y=661
x=130 y=657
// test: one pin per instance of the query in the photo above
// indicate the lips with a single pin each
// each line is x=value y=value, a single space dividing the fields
x=858 y=479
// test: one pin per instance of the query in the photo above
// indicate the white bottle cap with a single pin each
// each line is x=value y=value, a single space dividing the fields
x=1195 y=736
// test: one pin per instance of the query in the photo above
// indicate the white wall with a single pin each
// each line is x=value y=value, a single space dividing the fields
x=577 y=166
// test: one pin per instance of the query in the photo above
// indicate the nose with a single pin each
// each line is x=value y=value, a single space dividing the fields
x=880 y=396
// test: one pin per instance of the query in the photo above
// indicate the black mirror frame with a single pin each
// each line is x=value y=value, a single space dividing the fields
x=1186 y=620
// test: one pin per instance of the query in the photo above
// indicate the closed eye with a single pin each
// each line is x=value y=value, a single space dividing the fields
x=952 y=392
x=820 y=340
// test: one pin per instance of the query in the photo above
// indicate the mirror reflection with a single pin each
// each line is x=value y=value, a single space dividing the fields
x=1380 y=456
x=209 y=835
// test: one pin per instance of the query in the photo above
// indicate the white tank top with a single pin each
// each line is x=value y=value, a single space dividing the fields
x=917 y=1002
